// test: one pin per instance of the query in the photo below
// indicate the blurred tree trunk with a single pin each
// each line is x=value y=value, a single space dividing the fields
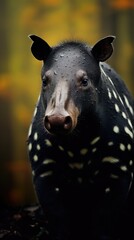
x=117 y=20
x=6 y=153
x=131 y=41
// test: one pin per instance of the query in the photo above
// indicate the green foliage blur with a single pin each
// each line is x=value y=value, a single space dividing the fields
x=55 y=21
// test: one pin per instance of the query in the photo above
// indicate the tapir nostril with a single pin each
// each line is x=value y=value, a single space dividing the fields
x=58 y=124
x=68 y=123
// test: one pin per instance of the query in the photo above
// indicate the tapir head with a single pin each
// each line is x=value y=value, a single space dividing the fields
x=70 y=79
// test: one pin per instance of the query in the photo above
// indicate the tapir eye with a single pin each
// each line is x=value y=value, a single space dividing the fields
x=82 y=79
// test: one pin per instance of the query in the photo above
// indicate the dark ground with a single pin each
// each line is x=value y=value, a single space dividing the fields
x=28 y=223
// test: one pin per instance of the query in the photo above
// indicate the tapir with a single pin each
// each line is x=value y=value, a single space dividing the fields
x=81 y=140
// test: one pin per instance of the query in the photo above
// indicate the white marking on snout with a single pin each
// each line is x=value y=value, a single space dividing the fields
x=58 y=99
x=61 y=103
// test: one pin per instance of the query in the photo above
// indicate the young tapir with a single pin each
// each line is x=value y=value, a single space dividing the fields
x=81 y=140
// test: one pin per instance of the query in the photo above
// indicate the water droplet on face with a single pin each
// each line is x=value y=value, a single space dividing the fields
x=61 y=55
x=55 y=73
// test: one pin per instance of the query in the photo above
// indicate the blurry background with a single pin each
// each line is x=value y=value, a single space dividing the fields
x=53 y=20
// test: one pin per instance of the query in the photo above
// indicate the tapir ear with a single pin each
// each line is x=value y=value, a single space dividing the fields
x=103 y=49
x=40 y=49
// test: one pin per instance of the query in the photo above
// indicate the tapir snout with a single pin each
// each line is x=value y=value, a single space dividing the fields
x=61 y=113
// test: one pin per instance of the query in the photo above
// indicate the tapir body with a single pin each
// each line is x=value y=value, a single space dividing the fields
x=81 y=140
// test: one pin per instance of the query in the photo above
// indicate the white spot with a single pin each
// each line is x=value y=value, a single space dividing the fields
x=128 y=105
x=35 y=111
x=130 y=123
x=95 y=140
x=61 y=148
x=122 y=147
x=123 y=168
x=114 y=93
x=109 y=94
x=110 y=81
x=110 y=144
x=33 y=173
x=46 y=174
x=48 y=161
x=116 y=129
x=110 y=159
x=107 y=190
x=127 y=130
x=130 y=162
x=131 y=110
x=35 y=158
x=30 y=146
x=94 y=150
x=38 y=147
x=124 y=115
x=117 y=108
x=70 y=154
x=83 y=151
x=129 y=147
x=48 y=143
x=30 y=130
x=35 y=136
x=76 y=165
x=126 y=101
x=57 y=189
x=114 y=176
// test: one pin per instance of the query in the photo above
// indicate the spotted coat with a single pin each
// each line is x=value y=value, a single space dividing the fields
x=89 y=171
